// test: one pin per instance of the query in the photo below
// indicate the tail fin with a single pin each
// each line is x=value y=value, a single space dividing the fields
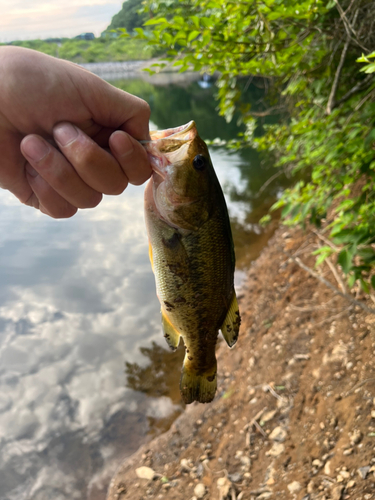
x=201 y=388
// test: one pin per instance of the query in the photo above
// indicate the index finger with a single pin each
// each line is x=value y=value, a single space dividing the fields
x=114 y=108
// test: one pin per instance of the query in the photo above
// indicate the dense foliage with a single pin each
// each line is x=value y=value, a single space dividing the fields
x=308 y=55
x=103 y=49
x=129 y=16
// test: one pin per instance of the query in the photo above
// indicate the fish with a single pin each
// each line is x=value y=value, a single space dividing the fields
x=192 y=254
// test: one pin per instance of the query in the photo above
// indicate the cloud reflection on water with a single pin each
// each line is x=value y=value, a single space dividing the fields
x=77 y=300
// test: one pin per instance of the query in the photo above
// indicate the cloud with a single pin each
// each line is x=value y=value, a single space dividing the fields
x=40 y=19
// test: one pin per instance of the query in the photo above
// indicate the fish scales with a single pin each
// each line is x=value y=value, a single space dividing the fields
x=192 y=256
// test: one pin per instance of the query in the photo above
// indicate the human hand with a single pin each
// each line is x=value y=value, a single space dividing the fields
x=66 y=136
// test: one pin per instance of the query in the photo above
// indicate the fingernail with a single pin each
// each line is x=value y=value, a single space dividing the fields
x=121 y=143
x=35 y=148
x=65 y=134
x=30 y=170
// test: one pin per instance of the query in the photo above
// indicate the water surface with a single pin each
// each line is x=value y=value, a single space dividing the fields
x=84 y=373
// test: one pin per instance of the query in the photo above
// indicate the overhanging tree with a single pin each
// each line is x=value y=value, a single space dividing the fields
x=306 y=54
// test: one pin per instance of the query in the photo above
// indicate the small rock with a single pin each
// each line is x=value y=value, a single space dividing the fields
x=327 y=468
x=347 y=452
x=184 y=463
x=224 y=485
x=268 y=416
x=294 y=487
x=317 y=463
x=278 y=434
x=200 y=470
x=372 y=413
x=235 y=478
x=350 y=484
x=312 y=486
x=355 y=437
x=363 y=471
x=145 y=473
x=336 y=492
x=276 y=450
x=200 y=490
x=265 y=496
x=345 y=474
x=245 y=461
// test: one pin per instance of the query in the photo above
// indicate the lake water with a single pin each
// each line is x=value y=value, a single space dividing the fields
x=83 y=363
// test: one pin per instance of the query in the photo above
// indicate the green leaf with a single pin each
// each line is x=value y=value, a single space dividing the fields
x=364 y=285
x=345 y=260
x=351 y=280
x=192 y=35
x=155 y=20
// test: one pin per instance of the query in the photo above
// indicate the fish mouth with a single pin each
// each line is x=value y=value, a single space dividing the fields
x=183 y=133
x=164 y=147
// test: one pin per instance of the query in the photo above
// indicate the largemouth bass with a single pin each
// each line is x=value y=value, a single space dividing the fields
x=191 y=253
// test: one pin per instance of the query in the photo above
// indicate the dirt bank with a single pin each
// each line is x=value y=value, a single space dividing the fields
x=294 y=417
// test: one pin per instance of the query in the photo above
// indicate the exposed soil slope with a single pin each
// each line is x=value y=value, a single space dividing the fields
x=294 y=416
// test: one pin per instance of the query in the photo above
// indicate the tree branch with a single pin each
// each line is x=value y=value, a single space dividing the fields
x=267 y=112
x=355 y=89
x=348 y=27
x=332 y=94
x=268 y=181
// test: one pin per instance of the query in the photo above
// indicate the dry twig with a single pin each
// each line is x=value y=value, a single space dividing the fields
x=328 y=320
x=336 y=275
x=327 y=283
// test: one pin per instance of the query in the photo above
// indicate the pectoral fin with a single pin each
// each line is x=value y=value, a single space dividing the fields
x=170 y=333
x=231 y=324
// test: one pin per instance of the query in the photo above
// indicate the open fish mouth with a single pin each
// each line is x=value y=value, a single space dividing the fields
x=166 y=146
x=183 y=133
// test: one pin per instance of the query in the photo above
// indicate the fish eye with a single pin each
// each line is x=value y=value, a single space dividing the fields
x=199 y=162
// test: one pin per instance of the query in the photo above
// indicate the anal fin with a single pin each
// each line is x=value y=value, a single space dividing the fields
x=231 y=324
x=170 y=333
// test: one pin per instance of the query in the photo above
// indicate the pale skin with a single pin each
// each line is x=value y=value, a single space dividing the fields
x=66 y=136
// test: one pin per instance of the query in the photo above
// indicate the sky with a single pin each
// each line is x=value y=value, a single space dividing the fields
x=32 y=19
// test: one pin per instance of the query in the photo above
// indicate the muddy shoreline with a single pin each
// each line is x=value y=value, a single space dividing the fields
x=294 y=416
